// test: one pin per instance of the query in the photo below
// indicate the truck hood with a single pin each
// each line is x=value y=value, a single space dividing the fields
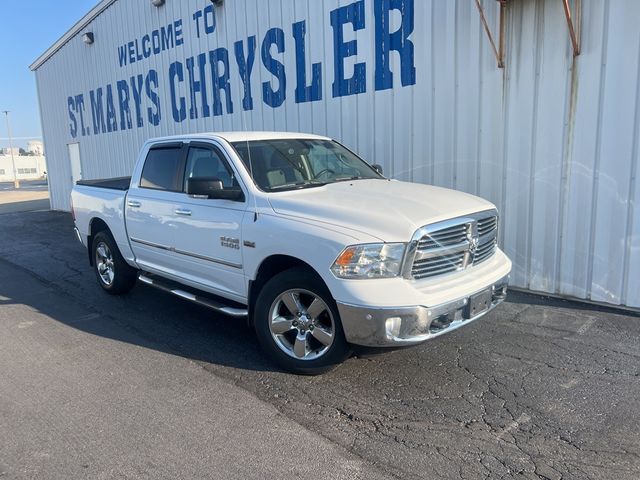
x=389 y=210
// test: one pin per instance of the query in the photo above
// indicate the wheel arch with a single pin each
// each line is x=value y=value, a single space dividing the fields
x=96 y=225
x=271 y=266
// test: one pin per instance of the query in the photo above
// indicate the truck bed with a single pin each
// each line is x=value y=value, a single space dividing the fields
x=117 y=183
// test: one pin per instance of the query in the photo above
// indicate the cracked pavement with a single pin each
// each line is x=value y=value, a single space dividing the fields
x=539 y=388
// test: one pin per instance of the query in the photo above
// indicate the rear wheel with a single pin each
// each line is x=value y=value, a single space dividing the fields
x=114 y=275
x=298 y=324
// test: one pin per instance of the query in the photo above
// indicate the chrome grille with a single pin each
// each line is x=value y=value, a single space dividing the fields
x=452 y=245
x=445 y=237
x=484 y=251
x=487 y=225
x=436 y=265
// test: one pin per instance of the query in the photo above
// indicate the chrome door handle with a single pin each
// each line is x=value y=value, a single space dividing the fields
x=182 y=211
x=133 y=204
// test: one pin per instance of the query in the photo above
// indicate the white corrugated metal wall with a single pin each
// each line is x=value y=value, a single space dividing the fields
x=554 y=144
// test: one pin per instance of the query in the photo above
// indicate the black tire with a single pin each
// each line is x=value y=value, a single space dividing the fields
x=309 y=288
x=123 y=276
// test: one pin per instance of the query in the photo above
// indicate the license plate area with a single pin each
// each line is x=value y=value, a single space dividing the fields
x=478 y=303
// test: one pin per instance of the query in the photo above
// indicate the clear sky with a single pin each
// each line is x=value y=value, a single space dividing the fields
x=27 y=29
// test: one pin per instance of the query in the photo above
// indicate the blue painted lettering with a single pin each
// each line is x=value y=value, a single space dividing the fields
x=132 y=52
x=136 y=89
x=245 y=66
x=274 y=98
x=209 y=20
x=398 y=41
x=123 y=102
x=304 y=92
x=80 y=110
x=354 y=14
x=155 y=42
x=177 y=27
x=97 y=111
x=220 y=80
x=151 y=85
x=166 y=35
x=112 y=124
x=198 y=92
x=196 y=18
x=198 y=86
x=146 y=48
x=122 y=55
x=73 y=126
x=178 y=105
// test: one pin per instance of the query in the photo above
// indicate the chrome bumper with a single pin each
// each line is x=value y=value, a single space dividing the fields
x=397 y=326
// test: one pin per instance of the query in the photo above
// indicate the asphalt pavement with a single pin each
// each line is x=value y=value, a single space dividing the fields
x=31 y=196
x=150 y=386
x=29 y=185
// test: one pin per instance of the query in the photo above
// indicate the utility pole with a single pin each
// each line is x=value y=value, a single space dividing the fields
x=16 y=183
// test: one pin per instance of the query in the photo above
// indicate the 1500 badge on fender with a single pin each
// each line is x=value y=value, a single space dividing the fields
x=230 y=242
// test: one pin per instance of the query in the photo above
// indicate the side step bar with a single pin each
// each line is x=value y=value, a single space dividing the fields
x=199 y=299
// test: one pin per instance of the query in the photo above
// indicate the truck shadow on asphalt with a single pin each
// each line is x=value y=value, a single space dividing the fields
x=145 y=317
x=68 y=292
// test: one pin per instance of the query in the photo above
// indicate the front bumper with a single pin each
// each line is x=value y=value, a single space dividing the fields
x=397 y=326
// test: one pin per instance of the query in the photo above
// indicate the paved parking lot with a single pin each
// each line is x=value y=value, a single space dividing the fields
x=32 y=195
x=27 y=185
x=135 y=386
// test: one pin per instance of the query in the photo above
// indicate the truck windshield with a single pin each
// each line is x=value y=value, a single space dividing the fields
x=289 y=164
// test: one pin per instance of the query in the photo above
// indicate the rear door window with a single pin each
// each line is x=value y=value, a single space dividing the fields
x=162 y=169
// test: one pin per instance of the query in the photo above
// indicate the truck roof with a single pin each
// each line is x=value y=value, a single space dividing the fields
x=243 y=136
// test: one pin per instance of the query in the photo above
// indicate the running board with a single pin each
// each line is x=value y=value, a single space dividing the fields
x=199 y=299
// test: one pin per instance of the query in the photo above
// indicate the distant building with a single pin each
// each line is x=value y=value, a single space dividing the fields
x=7 y=151
x=35 y=147
x=27 y=167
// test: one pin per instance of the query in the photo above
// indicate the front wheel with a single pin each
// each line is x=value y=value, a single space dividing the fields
x=298 y=324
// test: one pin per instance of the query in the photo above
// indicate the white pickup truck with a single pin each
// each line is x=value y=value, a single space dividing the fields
x=315 y=247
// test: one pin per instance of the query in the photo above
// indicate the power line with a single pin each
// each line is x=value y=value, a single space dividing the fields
x=20 y=138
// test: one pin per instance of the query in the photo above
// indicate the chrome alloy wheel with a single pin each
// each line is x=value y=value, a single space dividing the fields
x=301 y=324
x=104 y=264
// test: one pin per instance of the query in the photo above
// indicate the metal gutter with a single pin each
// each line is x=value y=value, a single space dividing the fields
x=72 y=32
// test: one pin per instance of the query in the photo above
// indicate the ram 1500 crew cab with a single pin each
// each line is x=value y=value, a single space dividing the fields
x=315 y=247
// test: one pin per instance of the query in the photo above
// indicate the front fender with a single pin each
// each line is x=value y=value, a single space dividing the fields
x=315 y=245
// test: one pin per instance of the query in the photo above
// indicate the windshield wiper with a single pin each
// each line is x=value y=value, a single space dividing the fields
x=346 y=179
x=297 y=185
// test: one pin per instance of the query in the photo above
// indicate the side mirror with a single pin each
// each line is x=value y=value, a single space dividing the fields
x=213 y=188
x=378 y=168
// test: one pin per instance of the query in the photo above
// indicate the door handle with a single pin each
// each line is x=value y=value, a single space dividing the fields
x=183 y=211
x=133 y=204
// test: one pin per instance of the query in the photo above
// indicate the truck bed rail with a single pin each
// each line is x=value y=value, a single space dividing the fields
x=117 y=183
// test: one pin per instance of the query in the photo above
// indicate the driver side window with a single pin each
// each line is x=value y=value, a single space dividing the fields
x=204 y=162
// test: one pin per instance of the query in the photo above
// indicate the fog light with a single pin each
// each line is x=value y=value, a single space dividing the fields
x=392 y=325
x=440 y=323
x=499 y=293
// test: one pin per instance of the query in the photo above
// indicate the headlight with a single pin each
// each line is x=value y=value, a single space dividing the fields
x=375 y=260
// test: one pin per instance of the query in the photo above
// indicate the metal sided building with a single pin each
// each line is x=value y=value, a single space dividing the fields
x=532 y=104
